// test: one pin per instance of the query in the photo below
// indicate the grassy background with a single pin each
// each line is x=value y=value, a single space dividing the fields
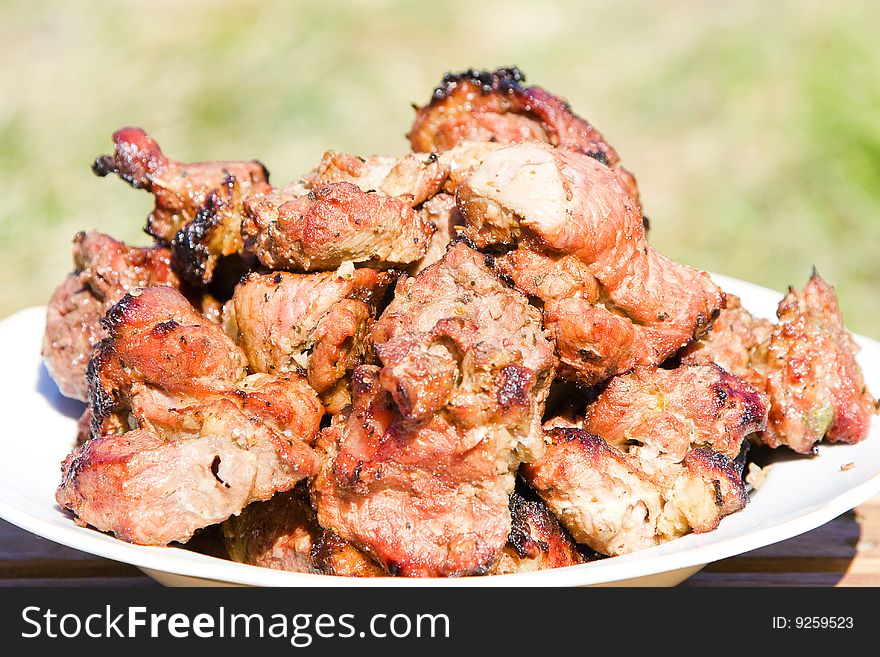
x=753 y=127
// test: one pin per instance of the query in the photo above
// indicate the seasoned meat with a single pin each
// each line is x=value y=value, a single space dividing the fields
x=592 y=341
x=806 y=364
x=419 y=472
x=104 y=271
x=816 y=387
x=439 y=211
x=180 y=189
x=455 y=339
x=641 y=308
x=333 y=224
x=414 y=176
x=666 y=413
x=198 y=205
x=283 y=533
x=608 y=501
x=495 y=106
x=175 y=417
x=731 y=341
x=537 y=541
x=317 y=322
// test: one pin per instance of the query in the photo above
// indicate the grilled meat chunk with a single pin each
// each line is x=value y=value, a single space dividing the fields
x=495 y=106
x=666 y=413
x=415 y=177
x=608 y=501
x=333 y=224
x=318 y=322
x=283 y=533
x=537 y=541
x=440 y=212
x=731 y=341
x=419 y=472
x=806 y=365
x=104 y=271
x=180 y=189
x=456 y=340
x=816 y=387
x=641 y=308
x=198 y=205
x=174 y=417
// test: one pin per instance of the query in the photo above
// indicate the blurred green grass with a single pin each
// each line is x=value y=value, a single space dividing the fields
x=753 y=127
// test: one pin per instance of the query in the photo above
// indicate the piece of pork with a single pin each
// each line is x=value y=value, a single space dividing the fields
x=283 y=533
x=496 y=106
x=105 y=270
x=198 y=204
x=806 y=364
x=608 y=501
x=170 y=400
x=333 y=224
x=418 y=473
x=316 y=322
x=666 y=413
x=642 y=307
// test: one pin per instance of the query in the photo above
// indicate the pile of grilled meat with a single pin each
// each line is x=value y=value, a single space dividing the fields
x=466 y=360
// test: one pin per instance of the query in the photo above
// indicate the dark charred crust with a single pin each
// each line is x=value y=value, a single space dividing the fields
x=461 y=238
x=104 y=165
x=739 y=463
x=585 y=439
x=734 y=392
x=520 y=538
x=599 y=156
x=164 y=328
x=102 y=401
x=215 y=470
x=190 y=254
x=719 y=497
x=646 y=223
x=503 y=80
x=513 y=389
x=118 y=312
x=719 y=470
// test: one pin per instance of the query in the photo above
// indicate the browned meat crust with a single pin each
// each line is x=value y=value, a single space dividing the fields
x=806 y=364
x=198 y=205
x=104 y=271
x=610 y=502
x=495 y=106
x=175 y=420
x=333 y=224
x=283 y=533
x=317 y=322
x=418 y=474
x=815 y=385
x=666 y=413
x=180 y=189
x=641 y=308
x=537 y=541
x=415 y=177
x=732 y=340
x=440 y=212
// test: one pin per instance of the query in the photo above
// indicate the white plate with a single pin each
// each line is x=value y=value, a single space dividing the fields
x=37 y=429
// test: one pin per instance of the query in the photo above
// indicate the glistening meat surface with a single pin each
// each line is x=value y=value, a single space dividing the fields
x=105 y=270
x=641 y=308
x=419 y=472
x=176 y=420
